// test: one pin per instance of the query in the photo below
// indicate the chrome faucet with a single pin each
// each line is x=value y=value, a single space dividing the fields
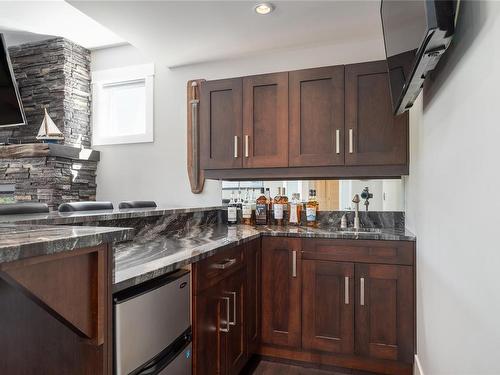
x=356 y=201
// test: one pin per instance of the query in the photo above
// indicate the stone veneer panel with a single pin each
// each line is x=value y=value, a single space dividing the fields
x=50 y=179
x=53 y=74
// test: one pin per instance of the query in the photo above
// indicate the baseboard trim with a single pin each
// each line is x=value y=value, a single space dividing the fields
x=418 y=367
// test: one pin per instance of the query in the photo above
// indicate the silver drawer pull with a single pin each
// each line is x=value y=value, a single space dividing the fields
x=228 y=323
x=362 y=291
x=337 y=141
x=294 y=263
x=346 y=290
x=246 y=146
x=350 y=141
x=233 y=323
x=235 y=146
x=224 y=265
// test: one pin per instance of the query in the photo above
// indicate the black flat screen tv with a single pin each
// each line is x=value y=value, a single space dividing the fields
x=416 y=34
x=11 y=108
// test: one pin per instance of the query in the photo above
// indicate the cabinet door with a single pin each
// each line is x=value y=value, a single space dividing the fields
x=385 y=312
x=317 y=117
x=234 y=288
x=253 y=301
x=220 y=124
x=265 y=121
x=328 y=306
x=281 y=291
x=373 y=135
x=209 y=342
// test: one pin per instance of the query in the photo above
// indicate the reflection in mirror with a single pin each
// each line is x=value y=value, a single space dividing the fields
x=332 y=195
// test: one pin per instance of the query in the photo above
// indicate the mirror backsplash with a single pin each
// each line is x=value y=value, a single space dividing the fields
x=332 y=195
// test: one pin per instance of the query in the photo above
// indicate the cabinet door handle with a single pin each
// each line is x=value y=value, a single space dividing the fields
x=294 y=263
x=337 y=141
x=235 y=146
x=226 y=264
x=362 y=291
x=246 y=145
x=226 y=330
x=233 y=323
x=346 y=290
x=350 y=141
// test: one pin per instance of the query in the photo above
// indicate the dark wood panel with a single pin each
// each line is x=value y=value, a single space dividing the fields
x=220 y=123
x=254 y=292
x=265 y=121
x=327 y=311
x=208 y=343
x=310 y=173
x=378 y=137
x=236 y=354
x=210 y=271
x=316 y=114
x=281 y=292
x=385 y=318
x=45 y=329
x=340 y=360
x=366 y=251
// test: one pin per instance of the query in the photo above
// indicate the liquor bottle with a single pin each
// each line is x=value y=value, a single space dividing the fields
x=232 y=211
x=269 y=206
x=284 y=202
x=278 y=208
x=261 y=205
x=239 y=200
x=312 y=208
x=295 y=210
x=246 y=210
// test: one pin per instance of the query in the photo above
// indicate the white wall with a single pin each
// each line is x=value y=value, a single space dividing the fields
x=158 y=170
x=453 y=180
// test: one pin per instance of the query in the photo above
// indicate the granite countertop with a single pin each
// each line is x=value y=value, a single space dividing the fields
x=153 y=254
x=25 y=241
x=79 y=217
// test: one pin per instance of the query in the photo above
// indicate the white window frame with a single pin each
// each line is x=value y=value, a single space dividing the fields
x=122 y=75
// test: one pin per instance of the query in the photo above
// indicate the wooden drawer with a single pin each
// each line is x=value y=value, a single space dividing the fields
x=210 y=271
x=363 y=251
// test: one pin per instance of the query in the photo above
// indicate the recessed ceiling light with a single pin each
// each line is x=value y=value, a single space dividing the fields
x=263 y=8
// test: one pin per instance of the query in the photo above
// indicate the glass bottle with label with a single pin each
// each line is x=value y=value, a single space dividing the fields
x=261 y=205
x=295 y=210
x=284 y=202
x=278 y=208
x=312 y=208
x=232 y=211
x=246 y=210
x=269 y=206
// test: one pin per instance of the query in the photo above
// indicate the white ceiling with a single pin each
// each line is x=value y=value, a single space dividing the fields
x=186 y=32
x=26 y=21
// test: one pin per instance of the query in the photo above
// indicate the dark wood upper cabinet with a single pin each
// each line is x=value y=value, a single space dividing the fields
x=373 y=135
x=316 y=109
x=221 y=124
x=265 y=121
x=385 y=312
x=281 y=292
x=328 y=306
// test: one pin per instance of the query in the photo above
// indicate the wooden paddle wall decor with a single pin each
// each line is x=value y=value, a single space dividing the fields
x=195 y=173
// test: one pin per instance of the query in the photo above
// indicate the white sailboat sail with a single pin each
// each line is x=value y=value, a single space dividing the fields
x=48 y=130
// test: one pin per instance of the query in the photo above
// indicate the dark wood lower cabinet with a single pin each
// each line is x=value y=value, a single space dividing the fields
x=328 y=306
x=346 y=303
x=281 y=290
x=384 y=318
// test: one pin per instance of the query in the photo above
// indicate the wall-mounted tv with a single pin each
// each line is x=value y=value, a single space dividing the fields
x=416 y=34
x=11 y=108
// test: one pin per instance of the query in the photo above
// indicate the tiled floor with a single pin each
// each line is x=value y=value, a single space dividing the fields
x=272 y=368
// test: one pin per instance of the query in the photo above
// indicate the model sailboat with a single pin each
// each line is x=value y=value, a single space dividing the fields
x=49 y=133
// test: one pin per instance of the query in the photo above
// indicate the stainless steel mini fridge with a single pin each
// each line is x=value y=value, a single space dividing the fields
x=152 y=332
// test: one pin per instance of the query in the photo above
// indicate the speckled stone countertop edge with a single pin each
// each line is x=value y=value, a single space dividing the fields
x=41 y=241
